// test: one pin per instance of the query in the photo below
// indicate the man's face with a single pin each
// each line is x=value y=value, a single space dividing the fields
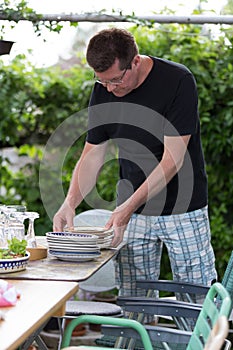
x=119 y=82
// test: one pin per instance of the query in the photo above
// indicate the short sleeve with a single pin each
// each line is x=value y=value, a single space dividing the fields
x=97 y=119
x=182 y=115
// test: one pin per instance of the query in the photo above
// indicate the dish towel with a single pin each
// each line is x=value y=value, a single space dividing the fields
x=8 y=294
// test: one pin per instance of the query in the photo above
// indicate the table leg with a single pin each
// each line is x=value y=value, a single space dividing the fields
x=35 y=337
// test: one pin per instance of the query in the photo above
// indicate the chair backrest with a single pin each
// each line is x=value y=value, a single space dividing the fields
x=211 y=311
x=104 y=279
x=92 y=217
x=227 y=280
x=218 y=334
x=217 y=303
x=188 y=292
x=122 y=322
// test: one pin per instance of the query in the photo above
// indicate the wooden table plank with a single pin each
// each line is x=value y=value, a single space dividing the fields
x=39 y=301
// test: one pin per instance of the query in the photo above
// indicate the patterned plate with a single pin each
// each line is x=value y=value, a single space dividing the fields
x=79 y=257
x=70 y=235
x=70 y=238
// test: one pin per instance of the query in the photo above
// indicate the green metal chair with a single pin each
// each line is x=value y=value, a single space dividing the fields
x=182 y=292
x=167 y=306
x=218 y=334
x=216 y=304
x=227 y=280
x=188 y=292
x=211 y=311
x=135 y=326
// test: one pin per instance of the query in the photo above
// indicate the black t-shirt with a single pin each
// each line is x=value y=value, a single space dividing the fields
x=165 y=104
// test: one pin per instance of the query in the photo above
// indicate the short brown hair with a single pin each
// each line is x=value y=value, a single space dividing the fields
x=109 y=44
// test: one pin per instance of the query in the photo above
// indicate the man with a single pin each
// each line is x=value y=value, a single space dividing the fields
x=148 y=107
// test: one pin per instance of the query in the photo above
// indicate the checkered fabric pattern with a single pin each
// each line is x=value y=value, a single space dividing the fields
x=188 y=242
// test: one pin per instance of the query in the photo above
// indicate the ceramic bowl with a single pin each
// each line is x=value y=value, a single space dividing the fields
x=14 y=265
x=37 y=253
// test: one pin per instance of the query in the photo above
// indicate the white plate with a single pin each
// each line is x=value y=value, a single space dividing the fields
x=96 y=230
x=74 y=257
x=71 y=239
x=105 y=245
x=75 y=251
x=105 y=239
x=74 y=248
x=54 y=252
x=72 y=243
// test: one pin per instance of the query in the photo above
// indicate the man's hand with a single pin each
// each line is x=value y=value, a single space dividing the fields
x=64 y=216
x=119 y=221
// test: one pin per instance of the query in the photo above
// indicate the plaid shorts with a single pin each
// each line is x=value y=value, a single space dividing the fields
x=188 y=243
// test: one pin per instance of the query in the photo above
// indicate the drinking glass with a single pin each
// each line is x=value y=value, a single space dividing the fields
x=5 y=221
x=17 y=207
x=16 y=226
x=2 y=222
x=30 y=237
x=11 y=223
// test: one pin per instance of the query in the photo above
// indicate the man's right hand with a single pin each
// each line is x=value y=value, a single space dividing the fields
x=63 y=217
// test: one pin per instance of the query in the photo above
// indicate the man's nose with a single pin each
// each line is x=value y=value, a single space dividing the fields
x=110 y=87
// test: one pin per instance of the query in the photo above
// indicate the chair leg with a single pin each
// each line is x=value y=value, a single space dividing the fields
x=41 y=344
x=61 y=326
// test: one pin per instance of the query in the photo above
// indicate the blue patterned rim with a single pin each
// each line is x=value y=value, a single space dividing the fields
x=15 y=263
x=70 y=234
x=55 y=252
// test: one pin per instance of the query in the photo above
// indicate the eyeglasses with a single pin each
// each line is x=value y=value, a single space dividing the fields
x=115 y=81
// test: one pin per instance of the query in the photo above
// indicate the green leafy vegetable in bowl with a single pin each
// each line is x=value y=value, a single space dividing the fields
x=16 y=249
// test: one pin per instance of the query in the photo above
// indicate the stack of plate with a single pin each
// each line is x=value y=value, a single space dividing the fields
x=70 y=246
x=104 y=236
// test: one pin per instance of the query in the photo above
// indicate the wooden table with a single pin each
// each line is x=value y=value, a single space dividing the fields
x=45 y=284
x=51 y=268
x=39 y=301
